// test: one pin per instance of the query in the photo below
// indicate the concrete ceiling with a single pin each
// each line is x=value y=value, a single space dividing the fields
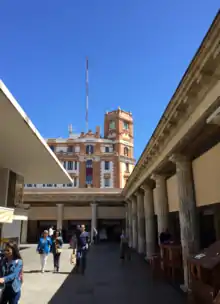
x=23 y=150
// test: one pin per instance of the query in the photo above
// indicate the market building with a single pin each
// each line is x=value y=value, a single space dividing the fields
x=175 y=183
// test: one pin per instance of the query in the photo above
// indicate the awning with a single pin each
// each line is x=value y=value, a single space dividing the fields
x=18 y=136
x=6 y=215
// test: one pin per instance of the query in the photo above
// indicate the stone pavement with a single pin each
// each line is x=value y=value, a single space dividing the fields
x=107 y=280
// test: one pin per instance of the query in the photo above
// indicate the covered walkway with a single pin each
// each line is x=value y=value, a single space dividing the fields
x=107 y=281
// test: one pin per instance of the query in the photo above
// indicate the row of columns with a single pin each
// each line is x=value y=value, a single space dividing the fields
x=142 y=209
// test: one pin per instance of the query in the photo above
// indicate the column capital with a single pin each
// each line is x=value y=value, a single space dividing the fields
x=138 y=192
x=158 y=177
x=59 y=205
x=128 y=201
x=146 y=187
x=179 y=158
x=93 y=204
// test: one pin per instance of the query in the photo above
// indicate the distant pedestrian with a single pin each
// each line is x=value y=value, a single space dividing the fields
x=124 y=247
x=12 y=274
x=57 y=243
x=95 y=236
x=43 y=249
x=51 y=231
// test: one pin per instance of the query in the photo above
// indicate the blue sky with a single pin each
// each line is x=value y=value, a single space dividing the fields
x=138 y=51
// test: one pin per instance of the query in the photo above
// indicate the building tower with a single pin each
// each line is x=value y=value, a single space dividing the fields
x=118 y=127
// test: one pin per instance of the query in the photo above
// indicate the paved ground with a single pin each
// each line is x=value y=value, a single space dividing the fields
x=107 y=280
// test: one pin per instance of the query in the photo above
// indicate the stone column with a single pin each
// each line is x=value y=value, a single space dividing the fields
x=161 y=203
x=59 y=216
x=187 y=210
x=94 y=220
x=24 y=231
x=134 y=222
x=130 y=238
x=140 y=221
x=150 y=229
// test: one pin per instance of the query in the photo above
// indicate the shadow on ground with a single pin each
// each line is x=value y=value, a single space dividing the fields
x=109 y=280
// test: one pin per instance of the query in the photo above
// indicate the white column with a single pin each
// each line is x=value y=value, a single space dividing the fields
x=130 y=223
x=187 y=210
x=140 y=221
x=134 y=222
x=94 y=219
x=161 y=203
x=59 y=216
x=24 y=231
x=150 y=228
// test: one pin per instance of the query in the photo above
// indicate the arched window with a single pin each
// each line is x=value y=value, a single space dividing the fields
x=89 y=149
x=125 y=151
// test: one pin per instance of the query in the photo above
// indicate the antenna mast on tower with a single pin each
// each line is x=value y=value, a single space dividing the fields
x=87 y=95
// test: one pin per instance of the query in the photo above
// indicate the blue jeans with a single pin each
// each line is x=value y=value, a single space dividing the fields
x=10 y=297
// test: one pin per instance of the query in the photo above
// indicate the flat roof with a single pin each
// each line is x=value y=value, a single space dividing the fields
x=23 y=150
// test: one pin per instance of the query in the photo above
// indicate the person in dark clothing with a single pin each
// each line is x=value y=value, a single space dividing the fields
x=82 y=247
x=77 y=238
x=57 y=243
x=165 y=237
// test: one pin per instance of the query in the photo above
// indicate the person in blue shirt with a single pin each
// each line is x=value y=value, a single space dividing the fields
x=12 y=274
x=43 y=248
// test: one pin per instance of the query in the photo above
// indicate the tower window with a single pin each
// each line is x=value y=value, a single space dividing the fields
x=52 y=148
x=75 y=165
x=125 y=125
x=112 y=124
x=107 y=165
x=89 y=149
x=127 y=167
x=125 y=151
x=107 y=149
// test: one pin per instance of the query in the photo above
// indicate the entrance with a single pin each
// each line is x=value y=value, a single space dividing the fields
x=207 y=229
x=110 y=230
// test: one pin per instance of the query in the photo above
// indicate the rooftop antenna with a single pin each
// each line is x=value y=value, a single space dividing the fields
x=87 y=94
x=70 y=129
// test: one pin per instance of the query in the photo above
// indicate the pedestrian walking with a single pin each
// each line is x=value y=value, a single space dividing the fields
x=12 y=274
x=43 y=249
x=57 y=243
x=124 y=247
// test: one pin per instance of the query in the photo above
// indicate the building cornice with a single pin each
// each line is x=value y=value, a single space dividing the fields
x=198 y=75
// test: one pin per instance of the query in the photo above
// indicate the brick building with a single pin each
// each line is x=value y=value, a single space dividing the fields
x=99 y=167
x=94 y=161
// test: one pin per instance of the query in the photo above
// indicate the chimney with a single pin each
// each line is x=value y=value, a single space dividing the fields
x=97 y=131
